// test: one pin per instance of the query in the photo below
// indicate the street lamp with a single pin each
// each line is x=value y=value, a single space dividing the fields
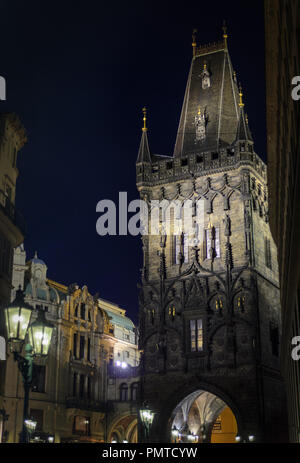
x=17 y=319
x=40 y=334
x=147 y=417
x=17 y=316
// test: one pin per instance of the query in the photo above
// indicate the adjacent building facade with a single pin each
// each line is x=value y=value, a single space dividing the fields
x=282 y=25
x=12 y=226
x=93 y=343
x=210 y=316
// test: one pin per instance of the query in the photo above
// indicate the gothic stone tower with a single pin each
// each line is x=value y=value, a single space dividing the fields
x=209 y=313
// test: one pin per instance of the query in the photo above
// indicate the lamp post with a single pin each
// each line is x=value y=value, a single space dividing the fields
x=17 y=317
x=147 y=417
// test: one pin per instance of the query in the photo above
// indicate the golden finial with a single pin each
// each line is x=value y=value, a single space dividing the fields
x=205 y=65
x=247 y=121
x=225 y=35
x=194 y=44
x=209 y=223
x=241 y=104
x=199 y=111
x=145 y=119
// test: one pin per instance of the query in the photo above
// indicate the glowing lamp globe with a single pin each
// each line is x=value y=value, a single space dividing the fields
x=17 y=319
x=40 y=334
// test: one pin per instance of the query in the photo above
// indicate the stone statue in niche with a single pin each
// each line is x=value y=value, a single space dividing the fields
x=205 y=76
x=227 y=223
x=200 y=124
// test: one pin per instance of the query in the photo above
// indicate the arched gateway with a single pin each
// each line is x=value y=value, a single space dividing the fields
x=203 y=417
x=209 y=300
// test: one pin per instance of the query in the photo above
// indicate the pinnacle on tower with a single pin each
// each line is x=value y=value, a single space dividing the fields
x=144 y=151
x=243 y=130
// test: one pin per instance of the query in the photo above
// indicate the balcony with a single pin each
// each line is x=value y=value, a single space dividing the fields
x=8 y=208
x=87 y=404
x=117 y=372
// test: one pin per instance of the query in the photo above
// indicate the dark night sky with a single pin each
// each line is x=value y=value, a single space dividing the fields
x=78 y=74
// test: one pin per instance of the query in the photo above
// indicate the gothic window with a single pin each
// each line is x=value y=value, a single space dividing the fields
x=75 y=336
x=89 y=349
x=134 y=391
x=123 y=392
x=268 y=256
x=89 y=387
x=38 y=378
x=81 y=386
x=82 y=311
x=81 y=348
x=75 y=384
x=181 y=248
x=196 y=335
x=76 y=311
x=212 y=243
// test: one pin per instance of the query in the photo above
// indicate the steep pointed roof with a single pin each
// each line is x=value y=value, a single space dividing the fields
x=210 y=111
x=243 y=131
x=144 y=151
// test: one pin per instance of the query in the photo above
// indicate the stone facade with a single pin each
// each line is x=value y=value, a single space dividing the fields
x=12 y=226
x=282 y=25
x=69 y=397
x=210 y=311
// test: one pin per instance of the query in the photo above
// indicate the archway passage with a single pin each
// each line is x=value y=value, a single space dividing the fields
x=203 y=417
x=124 y=430
x=224 y=430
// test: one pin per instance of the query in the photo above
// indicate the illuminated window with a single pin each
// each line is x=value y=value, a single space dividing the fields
x=81 y=425
x=196 y=335
x=212 y=243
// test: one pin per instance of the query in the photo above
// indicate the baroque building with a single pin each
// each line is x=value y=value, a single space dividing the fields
x=282 y=25
x=210 y=317
x=76 y=395
x=12 y=225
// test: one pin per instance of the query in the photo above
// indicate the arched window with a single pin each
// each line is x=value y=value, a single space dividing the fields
x=123 y=392
x=134 y=391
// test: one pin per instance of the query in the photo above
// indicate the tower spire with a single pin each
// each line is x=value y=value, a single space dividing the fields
x=194 y=43
x=241 y=103
x=144 y=129
x=144 y=151
x=225 y=34
x=243 y=130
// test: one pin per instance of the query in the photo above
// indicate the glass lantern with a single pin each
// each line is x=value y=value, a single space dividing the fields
x=17 y=319
x=40 y=334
